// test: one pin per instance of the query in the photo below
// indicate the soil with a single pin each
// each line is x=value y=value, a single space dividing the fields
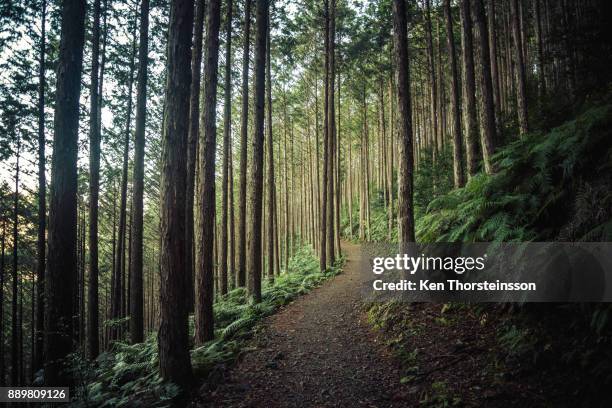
x=321 y=351
x=316 y=352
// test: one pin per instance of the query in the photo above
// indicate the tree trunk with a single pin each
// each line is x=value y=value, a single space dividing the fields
x=256 y=185
x=15 y=326
x=521 y=90
x=487 y=109
x=118 y=293
x=469 y=89
x=244 y=128
x=61 y=262
x=458 y=177
x=494 y=68
x=402 y=75
x=136 y=279
x=192 y=147
x=42 y=200
x=2 y=253
x=437 y=140
x=540 y=45
x=227 y=116
x=331 y=130
x=204 y=324
x=94 y=187
x=173 y=335
x=270 y=145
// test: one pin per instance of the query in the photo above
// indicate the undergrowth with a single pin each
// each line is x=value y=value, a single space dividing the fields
x=128 y=375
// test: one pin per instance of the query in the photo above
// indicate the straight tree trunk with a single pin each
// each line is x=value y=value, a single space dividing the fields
x=540 y=45
x=42 y=201
x=324 y=196
x=15 y=326
x=432 y=78
x=256 y=185
x=173 y=334
x=204 y=323
x=521 y=90
x=61 y=262
x=227 y=116
x=331 y=130
x=487 y=108
x=192 y=146
x=2 y=253
x=469 y=89
x=118 y=294
x=494 y=67
x=458 y=176
x=402 y=75
x=244 y=129
x=270 y=146
x=94 y=187
x=136 y=278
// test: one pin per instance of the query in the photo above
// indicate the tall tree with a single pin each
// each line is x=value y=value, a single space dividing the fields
x=331 y=127
x=94 y=186
x=204 y=321
x=15 y=325
x=136 y=279
x=487 y=108
x=61 y=263
x=458 y=176
x=402 y=80
x=227 y=129
x=469 y=89
x=244 y=129
x=192 y=146
x=521 y=90
x=262 y=10
x=173 y=335
x=2 y=249
x=271 y=214
x=433 y=88
x=42 y=195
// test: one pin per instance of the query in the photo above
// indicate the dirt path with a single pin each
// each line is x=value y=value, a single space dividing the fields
x=316 y=352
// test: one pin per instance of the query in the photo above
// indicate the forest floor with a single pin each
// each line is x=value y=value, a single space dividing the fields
x=321 y=351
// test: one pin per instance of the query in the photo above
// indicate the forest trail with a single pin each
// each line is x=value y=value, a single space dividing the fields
x=316 y=352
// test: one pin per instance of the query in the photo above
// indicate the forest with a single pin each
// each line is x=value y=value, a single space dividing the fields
x=185 y=186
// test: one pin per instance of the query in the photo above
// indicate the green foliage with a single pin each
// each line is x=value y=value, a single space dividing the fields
x=540 y=179
x=128 y=375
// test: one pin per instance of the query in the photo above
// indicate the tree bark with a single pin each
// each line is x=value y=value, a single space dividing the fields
x=15 y=325
x=256 y=187
x=244 y=129
x=192 y=147
x=521 y=90
x=402 y=75
x=42 y=199
x=173 y=335
x=94 y=187
x=458 y=176
x=270 y=148
x=204 y=323
x=136 y=278
x=61 y=262
x=487 y=108
x=227 y=116
x=331 y=130
x=469 y=89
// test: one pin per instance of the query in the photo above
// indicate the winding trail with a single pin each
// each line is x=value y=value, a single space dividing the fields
x=316 y=352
